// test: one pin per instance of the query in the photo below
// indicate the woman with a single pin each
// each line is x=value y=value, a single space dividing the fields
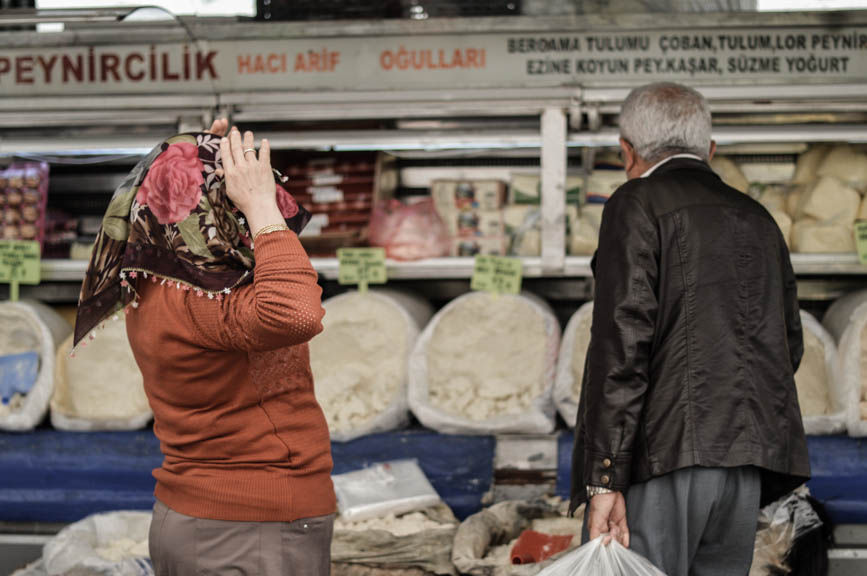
x=220 y=308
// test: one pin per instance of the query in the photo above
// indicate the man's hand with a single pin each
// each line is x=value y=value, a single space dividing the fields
x=608 y=515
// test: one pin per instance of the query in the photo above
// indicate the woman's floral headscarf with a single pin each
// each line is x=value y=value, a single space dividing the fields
x=171 y=222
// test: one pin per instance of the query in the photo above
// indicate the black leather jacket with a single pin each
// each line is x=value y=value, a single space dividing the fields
x=695 y=341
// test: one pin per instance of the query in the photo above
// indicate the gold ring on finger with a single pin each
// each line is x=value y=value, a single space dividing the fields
x=253 y=150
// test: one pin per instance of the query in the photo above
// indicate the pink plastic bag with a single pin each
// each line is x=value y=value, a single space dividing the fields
x=409 y=231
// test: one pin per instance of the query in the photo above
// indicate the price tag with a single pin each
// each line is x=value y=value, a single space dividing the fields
x=361 y=266
x=19 y=264
x=497 y=274
x=861 y=241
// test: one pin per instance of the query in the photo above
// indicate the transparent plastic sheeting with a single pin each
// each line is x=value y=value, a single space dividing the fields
x=395 y=487
x=601 y=560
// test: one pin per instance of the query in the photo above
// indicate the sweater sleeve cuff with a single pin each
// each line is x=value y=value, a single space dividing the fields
x=607 y=470
x=283 y=242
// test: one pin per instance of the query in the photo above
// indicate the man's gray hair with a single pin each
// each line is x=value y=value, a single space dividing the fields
x=663 y=119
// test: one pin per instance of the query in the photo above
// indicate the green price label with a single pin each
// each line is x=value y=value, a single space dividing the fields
x=497 y=274
x=361 y=266
x=19 y=264
x=861 y=241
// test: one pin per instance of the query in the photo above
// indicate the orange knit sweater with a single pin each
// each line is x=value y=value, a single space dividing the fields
x=231 y=389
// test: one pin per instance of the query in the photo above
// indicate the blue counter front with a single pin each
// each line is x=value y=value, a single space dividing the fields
x=53 y=476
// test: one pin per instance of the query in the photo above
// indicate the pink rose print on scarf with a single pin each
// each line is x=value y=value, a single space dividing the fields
x=173 y=185
x=286 y=203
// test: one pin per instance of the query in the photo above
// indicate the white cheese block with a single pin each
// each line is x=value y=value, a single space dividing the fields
x=768 y=172
x=793 y=200
x=359 y=361
x=101 y=388
x=830 y=200
x=784 y=222
x=774 y=198
x=730 y=173
x=811 y=237
x=848 y=164
x=807 y=166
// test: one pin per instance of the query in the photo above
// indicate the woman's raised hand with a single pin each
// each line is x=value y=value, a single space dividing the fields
x=250 y=180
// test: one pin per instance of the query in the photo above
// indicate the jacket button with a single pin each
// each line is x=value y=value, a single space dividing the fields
x=606 y=463
x=605 y=480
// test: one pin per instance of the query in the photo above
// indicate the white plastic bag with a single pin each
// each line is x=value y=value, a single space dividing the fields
x=835 y=421
x=110 y=544
x=31 y=327
x=395 y=487
x=355 y=370
x=596 y=559
x=535 y=414
x=570 y=364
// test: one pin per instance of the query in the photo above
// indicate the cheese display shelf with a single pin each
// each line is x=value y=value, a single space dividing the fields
x=522 y=102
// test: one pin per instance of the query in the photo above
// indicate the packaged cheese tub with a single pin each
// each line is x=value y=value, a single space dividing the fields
x=486 y=364
x=360 y=361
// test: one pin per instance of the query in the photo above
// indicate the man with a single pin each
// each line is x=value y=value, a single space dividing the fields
x=689 y=417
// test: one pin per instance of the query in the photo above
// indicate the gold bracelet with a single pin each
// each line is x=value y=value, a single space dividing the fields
x=268 y=229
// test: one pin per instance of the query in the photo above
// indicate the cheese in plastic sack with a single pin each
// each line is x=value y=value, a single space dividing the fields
x=596 y=559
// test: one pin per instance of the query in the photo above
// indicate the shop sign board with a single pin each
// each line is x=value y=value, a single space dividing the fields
x=766 y=55
x=19 y=264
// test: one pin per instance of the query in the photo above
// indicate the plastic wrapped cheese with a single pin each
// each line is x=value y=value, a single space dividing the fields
x=730 y=173
x=830 y=200
x=570 y=364
x=820 y=393
x=360 y=360
x=109 y=543
x=485 y=364
x=29 y=327
x=811 y=237
x=848 y=164
x=846 y=319
x=101 y=388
